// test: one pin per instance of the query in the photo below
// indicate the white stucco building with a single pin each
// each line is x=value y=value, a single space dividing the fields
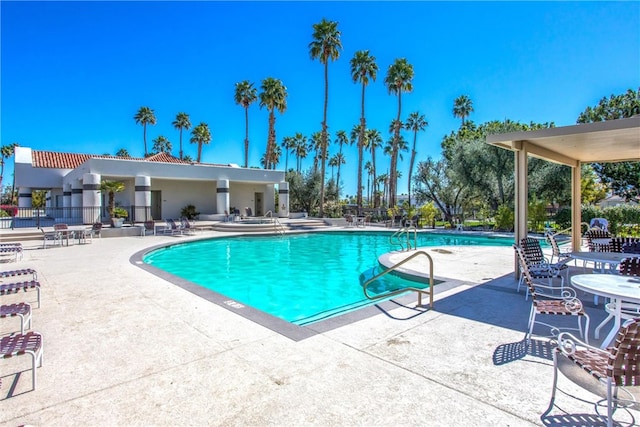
x=156 y=187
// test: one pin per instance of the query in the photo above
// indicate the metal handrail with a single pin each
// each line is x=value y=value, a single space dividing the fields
x=407 y=231
x=409 y=288
x=278 y=227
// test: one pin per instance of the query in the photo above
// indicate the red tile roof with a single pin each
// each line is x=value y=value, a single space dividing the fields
x=50 y=159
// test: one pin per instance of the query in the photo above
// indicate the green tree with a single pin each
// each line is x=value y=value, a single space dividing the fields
x=436 y=183
x=304 y=190
x=111 y=188
x=6 y=151
x=374 y=141
x=301 y=150
x=182 y=122
x=289 y=144
x=363 y=68
x=462 y=107
x=200 y=135
x=398 y=80
x=325 y=46
x=273 y=97
x=245 y=95
x=162 y=145
x=145 y=116
x=122 y=153
x=622 y=177
x=415 y=123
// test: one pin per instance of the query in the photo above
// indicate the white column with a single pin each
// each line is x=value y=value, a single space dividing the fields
x=24 y=197
x=91 y=200
x=142 y=198
x=222 y=196
x=76 y=198
x=66 y=200
x=521 y=197
x=576 y=207
x=283 y=199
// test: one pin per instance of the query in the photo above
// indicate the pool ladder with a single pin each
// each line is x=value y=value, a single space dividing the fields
x=405 y=236
x=277 y=226
x=420 y=291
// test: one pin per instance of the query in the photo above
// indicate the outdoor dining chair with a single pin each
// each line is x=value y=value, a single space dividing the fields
x=545 y=300
x=617 y=366
x=539 y=266
x=21 y=310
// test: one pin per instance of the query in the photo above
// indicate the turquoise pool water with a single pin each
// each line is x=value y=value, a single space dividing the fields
x=301 y=278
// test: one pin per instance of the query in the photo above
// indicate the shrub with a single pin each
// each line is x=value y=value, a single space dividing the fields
x=504 y=218
x=189 y=212
x=7 y=210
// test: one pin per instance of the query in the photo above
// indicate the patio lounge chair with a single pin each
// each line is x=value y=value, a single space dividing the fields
x=172 y=227
x=21 y=310
x=21 y=272
x=616 y=366
x=14 y=288
x=186 y=226
x=11 y=250
x=545 y=302
x=19 y=344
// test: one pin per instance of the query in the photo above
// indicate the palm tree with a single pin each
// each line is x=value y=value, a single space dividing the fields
x=363 y=68
x=301 y=150
x=122 y=153
x=341 y=139
x=162 y=145
x=326 y=45
x=245 y=95
x=416 y=122
x=289 y=144
x=368 y=167
x=374 y=139
x=398 y=80
x=5 y=152
x=462 y=107
x=200 y=135
x=273 y=97
x=112 y=187
x=145 y=116
x=316 y=146
x=182 y=122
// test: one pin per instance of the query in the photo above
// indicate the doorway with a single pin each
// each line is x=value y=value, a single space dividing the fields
x=259 y=205
x=156 y=204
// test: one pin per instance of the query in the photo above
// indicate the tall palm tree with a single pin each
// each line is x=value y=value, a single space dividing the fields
x=374 y=140
x=162 y=145
x=415 y=123
x=289 y=144
x=462 y=107
x=5 y=152
x=301 y=150
x=341 y=139
x=337 y=160
x=200 y=135
x=398 y=80
x=315 y=145
x=181 y=122
x=145 y=116
x=363 y=68
x=273 y=97
x=326 y=45
x=368 y=167
x=245 y=95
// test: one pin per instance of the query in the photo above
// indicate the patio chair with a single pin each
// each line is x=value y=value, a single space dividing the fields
x=21 y=310
x=186 y=226
x=349 y=219
x=96 y=230
x=628 y=310
x=14 y=288
x=538 y=265
x=545 y=302
x=19 y=344
x=248 y=211
x=631 y=247
x=556 y=253
x=21 y=272
x=149 y=226
x=599 y=224
x=50 y=236
x=172 y=227
x=624 y=244
x=617 y=366
x=596 y=233
x=11 y=250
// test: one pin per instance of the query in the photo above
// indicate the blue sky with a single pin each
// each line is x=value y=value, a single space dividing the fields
x=73 y=74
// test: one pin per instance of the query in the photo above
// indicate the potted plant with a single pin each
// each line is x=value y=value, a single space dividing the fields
x=119 y=215
x=113 y=187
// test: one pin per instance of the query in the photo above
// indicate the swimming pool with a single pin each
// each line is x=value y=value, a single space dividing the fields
x=301 y=278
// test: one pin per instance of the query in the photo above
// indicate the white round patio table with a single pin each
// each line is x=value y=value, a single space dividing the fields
x=618 y=288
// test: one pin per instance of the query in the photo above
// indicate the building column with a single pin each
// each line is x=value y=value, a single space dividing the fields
x=142 y=198
x=222 y=196
x=24 y=197
x=66 y=200
x=283 y=199
x=91 y=198
x=76 y=199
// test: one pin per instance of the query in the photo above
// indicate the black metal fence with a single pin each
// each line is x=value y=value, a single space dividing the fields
x=48 y=217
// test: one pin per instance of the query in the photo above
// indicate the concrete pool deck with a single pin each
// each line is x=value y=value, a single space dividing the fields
x=126 y=347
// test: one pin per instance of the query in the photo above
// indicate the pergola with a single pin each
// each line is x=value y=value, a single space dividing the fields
x=608 y=141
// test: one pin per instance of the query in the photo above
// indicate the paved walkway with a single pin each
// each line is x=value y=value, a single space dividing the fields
x=125 y=347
